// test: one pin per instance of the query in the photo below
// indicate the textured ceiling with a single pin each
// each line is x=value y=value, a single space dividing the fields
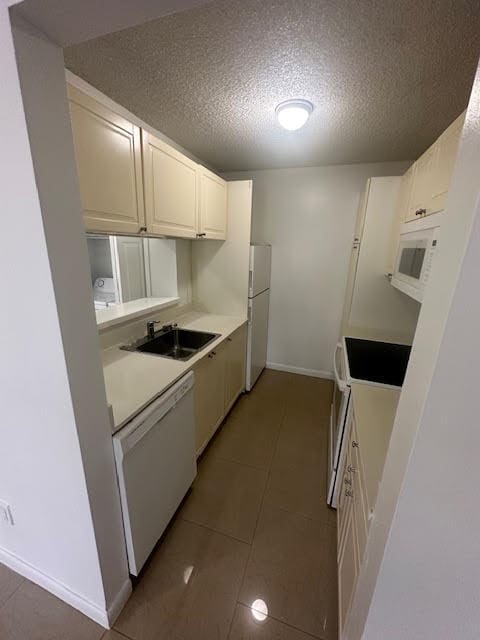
x=68 y=22
x=386 y=77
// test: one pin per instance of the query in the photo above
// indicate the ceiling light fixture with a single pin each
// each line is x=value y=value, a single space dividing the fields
x=293 y=114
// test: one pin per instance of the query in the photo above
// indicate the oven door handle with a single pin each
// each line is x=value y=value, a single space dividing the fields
x=340 y=383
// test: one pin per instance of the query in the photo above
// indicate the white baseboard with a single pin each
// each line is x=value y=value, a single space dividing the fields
x=315 y=373
x=119 y=602
x=94 y=612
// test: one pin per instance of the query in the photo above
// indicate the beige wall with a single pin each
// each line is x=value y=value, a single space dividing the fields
x=421 y=578
x=308 y=216
x=57 y=468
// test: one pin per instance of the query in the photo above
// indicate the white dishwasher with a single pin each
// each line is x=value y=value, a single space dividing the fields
x=156 y=464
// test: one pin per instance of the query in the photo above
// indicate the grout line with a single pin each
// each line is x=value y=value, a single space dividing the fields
x=287 y=624
x=241 y=464
x=275 y=446
x=242 y=580
x=282 y=423
x=116 y=631
x=22 y=582
x=220 y=533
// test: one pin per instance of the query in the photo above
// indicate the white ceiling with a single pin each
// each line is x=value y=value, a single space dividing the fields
x=386 y=77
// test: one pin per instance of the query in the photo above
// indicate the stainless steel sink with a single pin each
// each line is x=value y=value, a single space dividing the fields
x=177 y=344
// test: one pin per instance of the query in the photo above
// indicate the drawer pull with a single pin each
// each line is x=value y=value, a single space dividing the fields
x=348 y=481
x=420 y=212
x=351 y=469
x=354 y=444
x=349 y=494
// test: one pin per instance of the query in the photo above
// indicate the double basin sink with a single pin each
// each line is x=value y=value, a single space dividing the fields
x=174 y=343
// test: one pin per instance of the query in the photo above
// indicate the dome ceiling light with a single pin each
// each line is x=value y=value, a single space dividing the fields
x=293 y=114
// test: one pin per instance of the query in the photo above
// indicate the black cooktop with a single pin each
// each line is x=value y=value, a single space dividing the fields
x=382 y=362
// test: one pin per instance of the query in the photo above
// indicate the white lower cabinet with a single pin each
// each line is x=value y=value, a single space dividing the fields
x=209 y=394
x=219 y=380
x=352 y=523
x=235 y=366
x=347 y=566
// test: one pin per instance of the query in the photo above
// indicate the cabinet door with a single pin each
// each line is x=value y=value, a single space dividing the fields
x=213 y=206
x=400 y=216
x=420 y=197
x=209 y=395
x=347 y=569
x=171 y=197
x=109 y=166
x=352 y=269
x=446 y=149
x=235 y=367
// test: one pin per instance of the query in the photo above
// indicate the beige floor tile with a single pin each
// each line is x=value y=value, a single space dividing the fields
x=276 y=382
x=226 y=497
x=248 y=437
x=9 y=583
x=300 y=444
x=252 y=625
x=292 y=568
x=301 y=490
x=34 y=614
x=189 y=589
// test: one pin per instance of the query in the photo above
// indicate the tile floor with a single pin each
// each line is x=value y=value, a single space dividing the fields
x=251 y=554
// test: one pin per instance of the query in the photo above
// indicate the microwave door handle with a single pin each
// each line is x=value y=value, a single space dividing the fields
x=340 y=383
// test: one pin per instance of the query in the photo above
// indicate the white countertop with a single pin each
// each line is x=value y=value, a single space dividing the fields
x=133 y=380
x=374 y=409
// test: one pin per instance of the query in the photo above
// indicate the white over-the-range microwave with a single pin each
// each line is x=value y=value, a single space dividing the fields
x=416 y=250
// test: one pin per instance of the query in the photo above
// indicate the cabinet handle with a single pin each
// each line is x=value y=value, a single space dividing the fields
x=143 y=229
x=201 y=235
x=212 y=354
x=229 y=339
x=351 y=469
x=348 y=481
x=354 y=444
x=420 y=212
x=349 y=494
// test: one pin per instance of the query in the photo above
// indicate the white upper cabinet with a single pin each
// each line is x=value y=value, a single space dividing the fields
x=446 y=149
x=420 y=195
x=212 y=222
x=109 y=166
x=432 y=173
x=170 y=195
x=171 y=189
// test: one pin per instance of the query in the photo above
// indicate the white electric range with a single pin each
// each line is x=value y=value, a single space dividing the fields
x=382 y=364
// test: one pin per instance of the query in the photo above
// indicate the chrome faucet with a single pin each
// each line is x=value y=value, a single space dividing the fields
x=151 y=327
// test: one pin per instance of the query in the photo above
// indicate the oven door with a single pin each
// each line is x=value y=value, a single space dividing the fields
x=338 y=418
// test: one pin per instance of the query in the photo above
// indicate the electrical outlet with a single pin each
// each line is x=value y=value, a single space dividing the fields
x=6 y=516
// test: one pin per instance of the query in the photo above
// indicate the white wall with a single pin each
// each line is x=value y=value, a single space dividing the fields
x=308 y=216
x=421 y=579
x=220 y=269
x=56 y=468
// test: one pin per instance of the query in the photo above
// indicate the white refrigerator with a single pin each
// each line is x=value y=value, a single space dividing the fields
x=258 y=303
